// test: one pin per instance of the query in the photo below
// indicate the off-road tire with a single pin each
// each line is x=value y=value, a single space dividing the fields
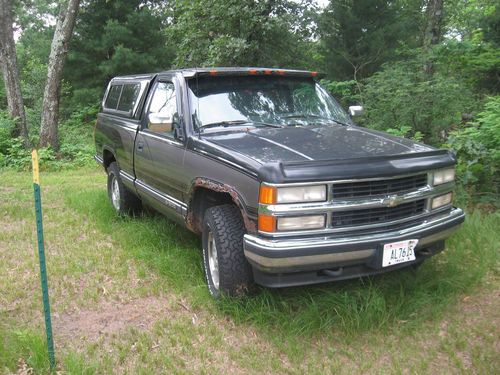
x=127 y=202
x=234 y=272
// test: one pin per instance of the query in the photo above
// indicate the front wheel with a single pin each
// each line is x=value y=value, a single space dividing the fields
x=227 y=270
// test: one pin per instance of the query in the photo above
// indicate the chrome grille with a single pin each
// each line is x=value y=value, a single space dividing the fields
x=377 y=215
x=378 y=187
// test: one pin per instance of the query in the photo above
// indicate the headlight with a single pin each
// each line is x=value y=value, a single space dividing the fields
x=441 y=200
x=301 y=194
x=301 y=222
x=296 y=194
x=443 y=176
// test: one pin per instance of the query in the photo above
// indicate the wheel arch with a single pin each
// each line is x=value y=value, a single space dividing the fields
x=108 y=156
x=205 y=193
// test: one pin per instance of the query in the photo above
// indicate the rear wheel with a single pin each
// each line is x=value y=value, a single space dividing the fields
x=122 y=199
x=227 y=270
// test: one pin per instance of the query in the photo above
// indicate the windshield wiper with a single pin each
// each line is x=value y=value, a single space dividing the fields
x=238 y=122
x=224 y=123
x=315 y=117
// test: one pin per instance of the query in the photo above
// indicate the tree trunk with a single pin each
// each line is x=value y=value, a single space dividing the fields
x=8 y=61
x=59 y=49
x=434 y=15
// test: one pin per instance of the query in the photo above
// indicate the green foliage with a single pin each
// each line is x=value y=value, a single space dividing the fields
x=77 y=148
x=478 y=150
x=240 y=33
x=475 y=61
x=115 y=38
x=401 y=96
x=346 y=92
x=357 y=37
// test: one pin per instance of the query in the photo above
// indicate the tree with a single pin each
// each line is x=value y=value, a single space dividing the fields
x=10 y=72
x=433 y=31
x=241 y=33
x=115 y=38
x=357 y=37
x=58 y=52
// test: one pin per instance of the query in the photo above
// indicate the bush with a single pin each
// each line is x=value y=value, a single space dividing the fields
x=403 y=98
x=478 y=150
x=346 y=92
x=76 y=136
x=76 y=143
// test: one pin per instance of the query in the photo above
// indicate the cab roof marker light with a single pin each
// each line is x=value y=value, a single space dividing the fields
x=213 y=72
x=252 y=71
x=314 y=74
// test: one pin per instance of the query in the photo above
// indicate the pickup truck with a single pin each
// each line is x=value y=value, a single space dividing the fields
x=274 y=175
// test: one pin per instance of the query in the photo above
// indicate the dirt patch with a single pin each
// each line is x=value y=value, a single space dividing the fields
x=111 y=317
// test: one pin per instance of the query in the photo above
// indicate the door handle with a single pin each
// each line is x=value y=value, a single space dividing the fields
x=140 y=146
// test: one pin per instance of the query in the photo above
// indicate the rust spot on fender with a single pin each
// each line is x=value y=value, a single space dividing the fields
x=195 y=224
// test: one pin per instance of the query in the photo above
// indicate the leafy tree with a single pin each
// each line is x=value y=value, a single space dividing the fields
x=402 y=96
x=241 y=33
x=357 y=37
x=478 y=149
x=49 y=127
x=115 y=38
x=10 y=71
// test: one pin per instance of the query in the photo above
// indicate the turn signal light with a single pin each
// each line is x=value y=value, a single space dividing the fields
x=267 y=194
x=267 y=223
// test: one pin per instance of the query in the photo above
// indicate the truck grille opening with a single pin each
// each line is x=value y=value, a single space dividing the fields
x=379 y=187
x=377 y=215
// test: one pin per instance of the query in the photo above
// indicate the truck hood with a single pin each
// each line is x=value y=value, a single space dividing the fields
x=322 y=153
x=332 y=142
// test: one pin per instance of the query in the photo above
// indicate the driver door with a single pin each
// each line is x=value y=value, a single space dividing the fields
x=159 y=151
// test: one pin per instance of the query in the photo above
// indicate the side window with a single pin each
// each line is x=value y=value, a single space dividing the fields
x=162 y=112
x=129 y=96
x=113 y=97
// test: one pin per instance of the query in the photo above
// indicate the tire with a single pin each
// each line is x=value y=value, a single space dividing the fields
x=227 y=270
x=122 y=199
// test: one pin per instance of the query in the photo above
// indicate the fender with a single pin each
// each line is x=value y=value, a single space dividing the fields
x=201 y=182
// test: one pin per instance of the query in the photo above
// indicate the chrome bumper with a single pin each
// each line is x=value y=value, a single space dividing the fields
x=298 y=254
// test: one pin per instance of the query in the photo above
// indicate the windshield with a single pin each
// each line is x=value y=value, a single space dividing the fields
x=262 y=101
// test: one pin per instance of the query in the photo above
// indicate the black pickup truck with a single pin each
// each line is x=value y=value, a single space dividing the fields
x=282 y=186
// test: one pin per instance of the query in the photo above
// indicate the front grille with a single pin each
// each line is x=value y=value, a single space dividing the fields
x=377 y=215
x=379 y=187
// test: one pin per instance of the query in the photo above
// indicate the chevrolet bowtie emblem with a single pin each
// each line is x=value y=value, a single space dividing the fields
x=392 y=201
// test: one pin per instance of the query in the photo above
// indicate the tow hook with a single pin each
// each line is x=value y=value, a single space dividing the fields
x=424 y=252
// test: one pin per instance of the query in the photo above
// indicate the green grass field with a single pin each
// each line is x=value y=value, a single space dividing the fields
x=128 y=296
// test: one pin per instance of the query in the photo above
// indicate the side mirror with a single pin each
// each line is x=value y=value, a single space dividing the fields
x=160 y=122
x=356 y=110
x=159 y=118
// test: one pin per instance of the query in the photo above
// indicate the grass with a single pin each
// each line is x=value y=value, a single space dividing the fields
x=441 y=318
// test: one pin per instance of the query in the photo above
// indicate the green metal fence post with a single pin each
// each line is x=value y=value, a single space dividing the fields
x=41 y=257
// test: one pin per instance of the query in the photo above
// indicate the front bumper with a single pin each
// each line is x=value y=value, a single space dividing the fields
x=299 y=261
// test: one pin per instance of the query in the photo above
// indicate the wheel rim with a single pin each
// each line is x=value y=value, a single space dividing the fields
x=213 y=263
x=115 y=193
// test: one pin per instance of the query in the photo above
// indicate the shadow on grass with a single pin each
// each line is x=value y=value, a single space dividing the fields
x=403 y=298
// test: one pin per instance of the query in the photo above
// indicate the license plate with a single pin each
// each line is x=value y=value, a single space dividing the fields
x=399 y=252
